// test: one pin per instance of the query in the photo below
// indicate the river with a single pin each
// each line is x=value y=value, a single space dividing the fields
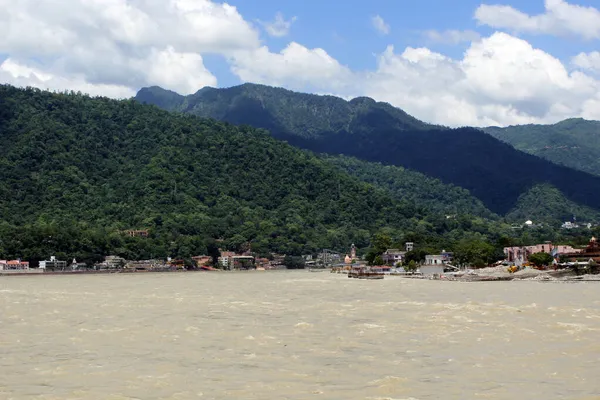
x=295 y=335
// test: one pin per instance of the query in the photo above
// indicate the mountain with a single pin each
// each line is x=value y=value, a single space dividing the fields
x=432 y=194
x=574 y=143
x=282 y=111
x=76 y=172
x=544 y=203
x=491 y=170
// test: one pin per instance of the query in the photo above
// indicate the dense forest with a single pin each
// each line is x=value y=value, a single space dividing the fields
x=76 y=172
x=574 y=142
x=429 y=193
x=491 y=170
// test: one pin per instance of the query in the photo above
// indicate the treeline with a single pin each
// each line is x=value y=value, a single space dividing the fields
x=77 y=171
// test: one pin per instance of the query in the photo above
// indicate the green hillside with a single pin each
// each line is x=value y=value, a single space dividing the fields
x=430 y=194
x=77 y=171
x=489 y=169
x=574 y=143
x=546 y=204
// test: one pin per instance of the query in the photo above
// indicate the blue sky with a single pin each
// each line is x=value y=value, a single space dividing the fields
x=456 y=63
x=345 y=30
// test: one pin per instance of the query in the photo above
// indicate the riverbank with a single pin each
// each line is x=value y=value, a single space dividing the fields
x=501 y=274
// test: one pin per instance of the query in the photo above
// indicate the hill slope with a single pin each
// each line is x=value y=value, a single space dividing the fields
x=76 y=171
x=544 y=203
x=431 y=194
x=574 y=143
x=492 y=171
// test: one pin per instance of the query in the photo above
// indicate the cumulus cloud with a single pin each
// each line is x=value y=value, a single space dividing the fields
x=560 y=18
x=280 y=26
x=296 y=67
x=500 y=80
x=380 y=25
x=588 y=61
x=17 y=74
x=451 y=36
x=121 y=43
x=114 y=47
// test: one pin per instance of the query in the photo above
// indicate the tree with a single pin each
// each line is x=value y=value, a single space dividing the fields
x=416 y=256
x=214 y=253
x=378 y=261
x=474 y=252
x=370 y=257
x=541 y=259
x=293 y=262
x=411 y=266
x=381 y=242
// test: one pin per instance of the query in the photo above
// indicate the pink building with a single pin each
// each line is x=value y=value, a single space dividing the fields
x=13 y=265
x=520 y=254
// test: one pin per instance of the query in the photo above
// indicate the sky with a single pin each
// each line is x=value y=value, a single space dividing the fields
x=456 y=63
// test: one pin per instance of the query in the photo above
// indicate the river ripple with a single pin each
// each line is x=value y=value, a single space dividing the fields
x=295 y=335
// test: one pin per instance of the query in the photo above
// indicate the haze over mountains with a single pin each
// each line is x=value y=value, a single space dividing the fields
x=493 y=171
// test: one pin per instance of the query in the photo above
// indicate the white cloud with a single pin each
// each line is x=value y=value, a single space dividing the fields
x=380 y=25
x=452 y=36
x=588 y=61
x=17 y=74
x=114 y=47
x=294 y=67
x=560 y=18
x=500 y=80
x=280 y=26
x=121 y=43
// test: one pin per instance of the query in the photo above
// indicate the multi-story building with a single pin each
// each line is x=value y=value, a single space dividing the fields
x=53 y=264
x=393 y=256
x=520 y=254
x=13 y=265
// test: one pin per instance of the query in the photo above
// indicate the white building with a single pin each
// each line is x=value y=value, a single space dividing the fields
x=53 y=264
x=434 y=264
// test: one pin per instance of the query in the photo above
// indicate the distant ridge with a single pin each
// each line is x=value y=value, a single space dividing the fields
x=574 y=142
x=491 y=170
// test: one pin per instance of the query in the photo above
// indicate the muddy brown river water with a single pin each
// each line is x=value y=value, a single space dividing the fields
x=295 y=335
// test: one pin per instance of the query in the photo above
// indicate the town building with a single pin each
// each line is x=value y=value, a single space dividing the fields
x=111 y=262
x=202 y=260
x=14 y=265
x=591 y=252
x=434 y=259
x=437 y=263
x=137 y=233
x=519 y=255
x=225 y=260
x=77 y=265
x=393 y=256
x=53 y=264
x=231 y=260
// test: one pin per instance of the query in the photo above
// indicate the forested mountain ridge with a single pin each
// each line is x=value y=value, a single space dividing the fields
x=491 y=170
x=573 y=142
x=76 y=171
x=282 y=111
